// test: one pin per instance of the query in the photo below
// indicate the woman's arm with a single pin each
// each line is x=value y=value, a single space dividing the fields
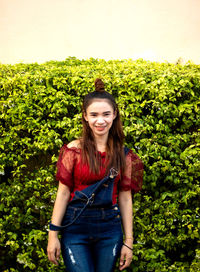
x=62 y=198
x=125 y=205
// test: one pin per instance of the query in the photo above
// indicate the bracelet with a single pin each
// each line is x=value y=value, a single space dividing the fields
x=128 y=247
x=127 y=238
x=54 y=227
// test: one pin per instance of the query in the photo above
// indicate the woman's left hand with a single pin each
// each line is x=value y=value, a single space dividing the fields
x=126 y=257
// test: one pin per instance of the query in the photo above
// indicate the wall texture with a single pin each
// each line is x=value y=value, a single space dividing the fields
x=156 y=30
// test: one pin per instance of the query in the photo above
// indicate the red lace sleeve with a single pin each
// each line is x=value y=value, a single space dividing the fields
x=133 y=175
x=65 y=165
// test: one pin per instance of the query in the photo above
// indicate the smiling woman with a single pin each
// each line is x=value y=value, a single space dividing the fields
x=97 y=175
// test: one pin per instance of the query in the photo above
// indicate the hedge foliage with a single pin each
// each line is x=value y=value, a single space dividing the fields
x=40 y=110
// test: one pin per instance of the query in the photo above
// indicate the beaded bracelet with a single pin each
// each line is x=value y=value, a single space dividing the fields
x=128 y=247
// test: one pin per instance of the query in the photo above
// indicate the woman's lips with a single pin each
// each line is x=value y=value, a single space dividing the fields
x=100 y=128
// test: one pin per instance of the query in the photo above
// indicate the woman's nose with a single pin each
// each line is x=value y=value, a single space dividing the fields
x=100 y=120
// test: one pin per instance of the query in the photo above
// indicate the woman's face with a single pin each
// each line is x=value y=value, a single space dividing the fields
x=100 y=116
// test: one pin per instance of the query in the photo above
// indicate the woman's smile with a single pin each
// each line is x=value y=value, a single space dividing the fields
x=100 y=128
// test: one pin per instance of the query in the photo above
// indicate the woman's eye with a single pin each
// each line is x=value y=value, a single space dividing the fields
x=95 y=114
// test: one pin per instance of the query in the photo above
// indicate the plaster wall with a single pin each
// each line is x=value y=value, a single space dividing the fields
x=156 y=30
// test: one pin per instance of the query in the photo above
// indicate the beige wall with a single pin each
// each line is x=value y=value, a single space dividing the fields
x=42 y=30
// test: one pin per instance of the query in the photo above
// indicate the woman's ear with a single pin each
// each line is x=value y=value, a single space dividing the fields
x=85 y=116
x=115 y=114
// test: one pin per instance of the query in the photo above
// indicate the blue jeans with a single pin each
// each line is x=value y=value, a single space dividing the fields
x=94 y=241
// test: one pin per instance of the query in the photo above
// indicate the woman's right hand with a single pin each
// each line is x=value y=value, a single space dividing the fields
x=53 y=247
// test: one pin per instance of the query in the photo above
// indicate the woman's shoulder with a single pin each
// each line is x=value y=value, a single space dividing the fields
x=70 y=150
x=74 y=144
x=131 y=155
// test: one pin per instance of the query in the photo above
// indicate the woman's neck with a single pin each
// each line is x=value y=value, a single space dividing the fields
x=101 y=143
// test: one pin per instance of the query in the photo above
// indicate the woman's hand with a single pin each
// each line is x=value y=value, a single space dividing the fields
x=126 y=256
x=53 y=247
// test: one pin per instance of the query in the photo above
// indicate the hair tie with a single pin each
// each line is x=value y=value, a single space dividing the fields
x=128 y=247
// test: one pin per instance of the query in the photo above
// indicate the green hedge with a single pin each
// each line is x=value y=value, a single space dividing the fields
x=40 y=110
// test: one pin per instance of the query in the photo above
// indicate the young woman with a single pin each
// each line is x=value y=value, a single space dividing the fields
x=95 y=240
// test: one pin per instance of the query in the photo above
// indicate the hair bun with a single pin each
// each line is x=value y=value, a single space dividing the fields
x=99 y=85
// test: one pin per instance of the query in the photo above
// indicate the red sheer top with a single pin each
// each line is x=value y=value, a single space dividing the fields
x=77 y=176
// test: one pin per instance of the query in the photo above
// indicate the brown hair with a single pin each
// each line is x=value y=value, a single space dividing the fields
x=114 y=151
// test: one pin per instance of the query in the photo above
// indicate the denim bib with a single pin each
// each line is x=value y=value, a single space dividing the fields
x=95 y=195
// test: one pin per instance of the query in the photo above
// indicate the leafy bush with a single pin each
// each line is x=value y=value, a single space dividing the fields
x=40 y=110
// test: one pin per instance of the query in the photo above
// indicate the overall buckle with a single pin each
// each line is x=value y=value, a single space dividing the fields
x=113 y=172
x=91 y=199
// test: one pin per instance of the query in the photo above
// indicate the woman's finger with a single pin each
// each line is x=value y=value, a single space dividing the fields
x=57 y=253
x=122 y=259
x=51 y=256
x=127 y=263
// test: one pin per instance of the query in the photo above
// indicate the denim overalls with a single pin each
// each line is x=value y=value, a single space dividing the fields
x=93 y=242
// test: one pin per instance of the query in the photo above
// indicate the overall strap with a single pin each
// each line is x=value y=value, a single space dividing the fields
x=112 y=174
x=126 y=150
